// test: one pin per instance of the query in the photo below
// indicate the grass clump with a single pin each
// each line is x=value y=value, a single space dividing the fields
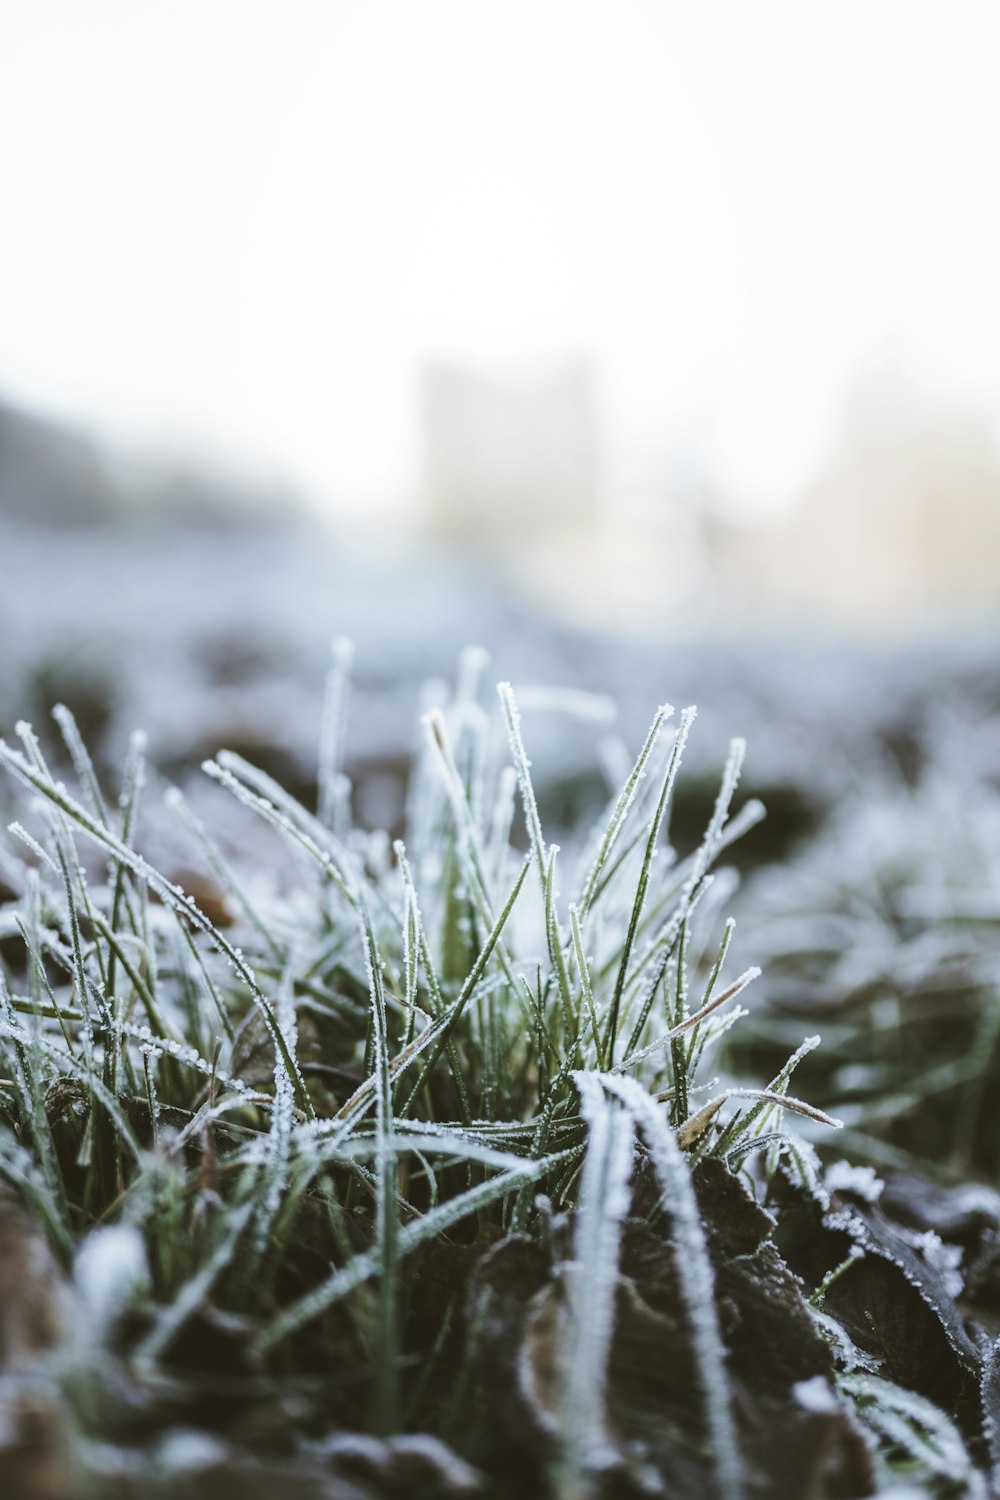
x=401 y=1178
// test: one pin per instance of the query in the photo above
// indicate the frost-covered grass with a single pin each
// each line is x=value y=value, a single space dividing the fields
x=885 y=933
x=267 y=1133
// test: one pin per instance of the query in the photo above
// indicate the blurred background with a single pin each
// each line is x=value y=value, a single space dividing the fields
x=654 y=346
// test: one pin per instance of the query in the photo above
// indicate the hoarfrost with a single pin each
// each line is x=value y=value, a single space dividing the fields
x=862 y=1182
x=815 y=1395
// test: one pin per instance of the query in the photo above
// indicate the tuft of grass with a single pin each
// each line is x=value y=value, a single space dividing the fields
x=424 y=1048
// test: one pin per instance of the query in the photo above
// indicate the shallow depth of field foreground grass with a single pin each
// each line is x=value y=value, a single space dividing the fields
x=419 y=1170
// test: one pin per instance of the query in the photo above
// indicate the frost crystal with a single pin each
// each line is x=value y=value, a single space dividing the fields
x=842 y=1177
x=815 y=1395
x=945 y=1259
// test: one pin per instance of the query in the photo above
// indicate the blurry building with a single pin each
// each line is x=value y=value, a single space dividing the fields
x=509 y=452
x=902 y=523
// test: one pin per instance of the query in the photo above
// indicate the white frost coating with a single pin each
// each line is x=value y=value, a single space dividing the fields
x=694 y=1269
x=457 y=1474
x=815 y=1395
x=848 y=1222
x=720 y=812
x=843 y=1177
x=512 y=718
x=186 y=1452
x=845 y=1351
x=945 y=1259
x=603 y=1203
x=110 y=1269
x=916 y=1425
x=282 y=1114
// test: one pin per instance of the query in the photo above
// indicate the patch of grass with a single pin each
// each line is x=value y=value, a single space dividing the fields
x=299 y=1157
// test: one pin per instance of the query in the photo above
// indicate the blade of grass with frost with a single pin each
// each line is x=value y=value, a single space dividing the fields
x=362 y=1267
x=777 y=1086
x=133 y=779
x=315 y=1154
x=622 y=808
x=469 y=986
x=169 y=893
x=512 y=719
x=915 y=1424
x=678 y=1051
x=691 y=1024
x=410 y=977
x=51 y=1012
x=670 y=776
x=544 y=859
x=152 y=1103
x=468 y=846
x=38 y=981
x=554 y=942
x=668 y=943
x=619 y=860
x=693 y=1131
x=80 y=975
x=387 y=1360
x=273 y=1177
x=351 y=1112
x=333 y=731
x=772 y=1142
x=720 y=958
x=697 y=1282
x=82 y=763
x=541 y=1136
x=263 y=796
x=641 y=811
x=690 y=892
x=47 y=942
x=676 y=903
x=697 y=1042
x=208 y=985
x=727 y=790
x=62 y=837
x=688 y=880
x=175 y=800
x=602 y=1204
x=34 y=1117
x=588 y=995
x=434 y=987
x=116 y=948
x=66 y=1063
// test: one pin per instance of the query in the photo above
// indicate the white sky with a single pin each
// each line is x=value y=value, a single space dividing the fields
x=243 y=225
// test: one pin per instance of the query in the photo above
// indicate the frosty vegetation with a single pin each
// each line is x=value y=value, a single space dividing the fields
x=387 y=1140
